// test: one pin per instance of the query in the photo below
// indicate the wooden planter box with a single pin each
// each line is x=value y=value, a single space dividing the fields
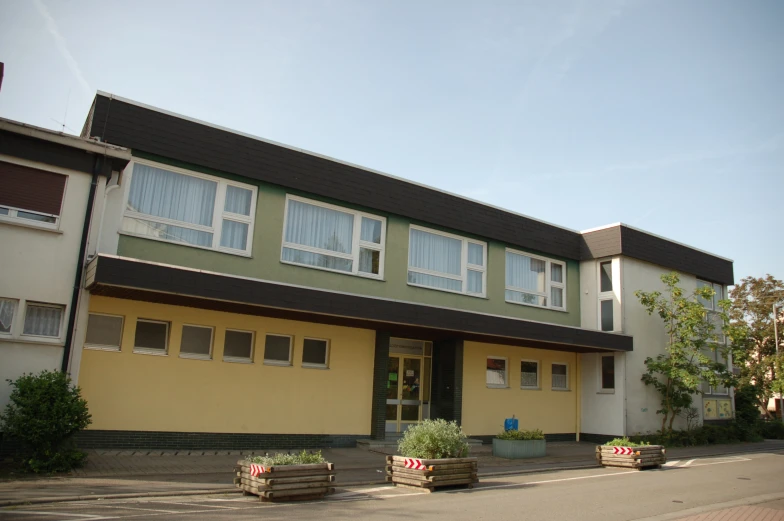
x=429 y=474
x=640 y=458
x=519 y=449
x=287 y=482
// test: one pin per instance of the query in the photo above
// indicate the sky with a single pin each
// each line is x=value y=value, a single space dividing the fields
x=667 y=115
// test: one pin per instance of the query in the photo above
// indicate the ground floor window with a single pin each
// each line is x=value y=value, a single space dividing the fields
x=529 y=374
x=104 y=332
x=560 y=377
x=238 y=346
x=608 y=373
x=315 y=352
x=496 y=372
x=277 y=350
x=196 y=342
x=152 y=337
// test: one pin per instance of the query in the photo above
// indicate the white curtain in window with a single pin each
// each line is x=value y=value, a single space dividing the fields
x=7 y=308
x=525 y=272
x=234 y=235
x=474 y=281
x=319 y=227
x=237 y=200
x=435 y=252
x=42 y=320
x=161 y=193
x=476 y=254
x=371 y=230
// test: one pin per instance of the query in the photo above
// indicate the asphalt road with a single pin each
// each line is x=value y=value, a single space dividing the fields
x=684 y=488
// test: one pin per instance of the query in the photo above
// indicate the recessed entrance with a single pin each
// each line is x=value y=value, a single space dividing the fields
x=408 y=383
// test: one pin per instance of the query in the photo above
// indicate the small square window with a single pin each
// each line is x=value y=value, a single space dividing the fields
x=315 y=352
x=277 y=350
x=152 y=336
x=560 y=377
x=238 y=346
x=196 y=342
x=529 y=374
x=104 y=331
x=7 y=312
x=496 y=372
x=608 y=373
x=43 y=320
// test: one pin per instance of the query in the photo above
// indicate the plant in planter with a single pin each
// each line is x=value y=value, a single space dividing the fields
x=284 y=476
x=622 y=452
x=516 y=444
x=433 y=454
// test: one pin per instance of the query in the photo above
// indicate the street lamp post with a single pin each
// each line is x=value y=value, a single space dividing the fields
x=776 y=339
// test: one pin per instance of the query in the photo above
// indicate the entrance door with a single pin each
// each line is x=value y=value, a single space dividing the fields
x=404 y=392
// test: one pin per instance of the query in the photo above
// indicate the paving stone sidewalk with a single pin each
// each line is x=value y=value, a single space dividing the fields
x=170 y=472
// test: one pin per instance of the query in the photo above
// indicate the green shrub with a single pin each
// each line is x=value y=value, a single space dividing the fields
x=282 y=458
x=626 y=442
x=514 y=434
x=44 y=412
x=772 y=430
x=434 y=439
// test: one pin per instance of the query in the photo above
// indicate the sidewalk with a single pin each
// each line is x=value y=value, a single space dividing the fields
x=159 y=473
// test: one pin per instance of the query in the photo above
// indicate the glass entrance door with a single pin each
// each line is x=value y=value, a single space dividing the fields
x=404 y=392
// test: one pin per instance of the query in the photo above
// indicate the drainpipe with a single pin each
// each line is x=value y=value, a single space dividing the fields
x=97 y=167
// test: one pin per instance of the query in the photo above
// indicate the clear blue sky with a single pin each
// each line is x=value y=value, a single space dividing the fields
x=665 y=115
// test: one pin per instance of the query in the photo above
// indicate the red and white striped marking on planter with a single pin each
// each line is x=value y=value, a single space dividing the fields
x=256 y=470
x=626 y=451
x=416 y=464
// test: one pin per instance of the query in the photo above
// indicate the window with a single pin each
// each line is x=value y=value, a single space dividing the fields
x=496 y=372
x=328 y=237
x=104 y=332
x=606 y=315
x=446 y=262
x=315 y=352
x=277 y=350
x=152 y=337
x=196 y=342
x=716 y=356
x=560 y=377
x=30 y=196
x=535 y=281
x=43 y=320
x=529 y=374
x=608 y=373
x=7 y=312
x=605 y=276
x=238 y=346
x=187 y=208
x=718 y=295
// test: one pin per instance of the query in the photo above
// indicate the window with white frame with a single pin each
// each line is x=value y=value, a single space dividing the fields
x=716 y=356
x=718 y=294
x=606 y=296
x=7 y=312
x=497 y=372
x=238 y=346
x=151 y=337
x=608 y=373
x=529 y=374
x=196 y=342
x=606 y=318
x=535 y=281
x=324 y=236
x=315 y=352
x=277 y=349
x=43 y=320
x=104 y=332
x=446 y=262
x=175 y=205
x=30 y=196
x=560 y=377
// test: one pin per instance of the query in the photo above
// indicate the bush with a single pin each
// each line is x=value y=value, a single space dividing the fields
x=772 y=430
x=44 y=412
x=626 y=442
x=434 y=439
x=514 y=434
x=281 y=458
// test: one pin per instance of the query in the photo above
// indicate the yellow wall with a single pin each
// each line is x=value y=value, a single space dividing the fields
x=130 y=391
x=484 y=409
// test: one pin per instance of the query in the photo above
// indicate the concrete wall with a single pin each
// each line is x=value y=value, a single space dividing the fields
x=142 y=392
x=265 y=260
x=39 y=266
x=485 y=408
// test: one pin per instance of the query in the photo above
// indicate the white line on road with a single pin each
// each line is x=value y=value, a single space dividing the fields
x=672 y=463
x=87 y=516
x=688 y=463
x=480 y=487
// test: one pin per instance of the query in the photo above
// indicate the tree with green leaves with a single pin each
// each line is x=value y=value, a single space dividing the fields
x=678 y=373
x=752 y=309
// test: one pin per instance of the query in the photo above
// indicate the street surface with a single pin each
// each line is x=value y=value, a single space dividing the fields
x=739 y=487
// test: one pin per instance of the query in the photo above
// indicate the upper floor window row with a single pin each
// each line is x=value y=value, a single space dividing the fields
x=535 y=281
x=718 y=294
x=31 y=197
x=180 y=206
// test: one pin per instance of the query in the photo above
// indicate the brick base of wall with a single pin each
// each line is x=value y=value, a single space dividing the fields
x=139 y=440
x=566 y=436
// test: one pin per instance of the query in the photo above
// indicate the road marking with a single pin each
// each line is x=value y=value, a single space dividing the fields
x=480 y=487
x=358 y=492
x=197 y=505
x=688 y=463
x=159 y=510
x=672 y=463
x=87 y=516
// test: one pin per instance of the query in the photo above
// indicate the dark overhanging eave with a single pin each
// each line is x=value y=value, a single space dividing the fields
x=139 y=280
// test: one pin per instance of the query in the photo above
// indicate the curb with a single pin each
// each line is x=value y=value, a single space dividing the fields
x=130 y=495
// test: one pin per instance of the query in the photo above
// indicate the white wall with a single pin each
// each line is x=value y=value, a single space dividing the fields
x=39 y=265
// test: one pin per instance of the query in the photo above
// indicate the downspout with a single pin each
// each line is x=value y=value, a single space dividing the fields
x=97 y=167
